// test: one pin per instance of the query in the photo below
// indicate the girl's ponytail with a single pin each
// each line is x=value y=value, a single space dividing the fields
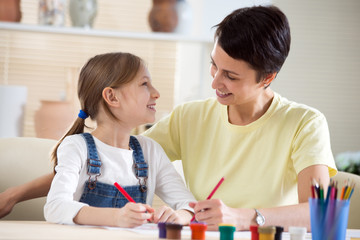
x=77 y=127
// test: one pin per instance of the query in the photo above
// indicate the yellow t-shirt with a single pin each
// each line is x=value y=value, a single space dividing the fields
x=259 y=161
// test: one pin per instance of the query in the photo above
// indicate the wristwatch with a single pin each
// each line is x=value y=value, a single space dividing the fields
x=259 y=219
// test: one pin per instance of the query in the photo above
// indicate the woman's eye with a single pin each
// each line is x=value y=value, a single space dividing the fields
x=229 y=77
x=144 y=84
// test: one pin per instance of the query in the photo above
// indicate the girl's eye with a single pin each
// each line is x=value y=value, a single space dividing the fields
x=144 y=84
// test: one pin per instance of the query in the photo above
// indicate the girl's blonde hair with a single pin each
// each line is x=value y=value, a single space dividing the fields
x=104 y=70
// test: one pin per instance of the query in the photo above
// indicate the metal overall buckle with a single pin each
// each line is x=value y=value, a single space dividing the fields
x=92 y=183
x=143 y=187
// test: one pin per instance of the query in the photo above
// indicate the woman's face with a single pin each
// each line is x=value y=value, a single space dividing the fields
x=234 y=80
x=138 y=99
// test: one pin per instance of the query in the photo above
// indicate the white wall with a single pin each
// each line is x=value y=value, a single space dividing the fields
x=208 y=13
x=322 y=69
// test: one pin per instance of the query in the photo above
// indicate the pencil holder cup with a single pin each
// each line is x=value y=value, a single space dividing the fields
x=328 y=218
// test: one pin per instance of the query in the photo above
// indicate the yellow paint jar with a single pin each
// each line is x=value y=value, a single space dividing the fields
x=266 y=233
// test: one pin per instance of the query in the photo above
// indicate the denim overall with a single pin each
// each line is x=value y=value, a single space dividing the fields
x=99 y=194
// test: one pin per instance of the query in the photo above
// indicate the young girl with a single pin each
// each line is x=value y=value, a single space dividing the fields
x=114 y=90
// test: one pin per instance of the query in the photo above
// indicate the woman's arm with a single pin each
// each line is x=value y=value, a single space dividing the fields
x=36 y=188
x=294 y=215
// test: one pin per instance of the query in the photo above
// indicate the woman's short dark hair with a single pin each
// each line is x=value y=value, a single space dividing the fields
x=259 y=35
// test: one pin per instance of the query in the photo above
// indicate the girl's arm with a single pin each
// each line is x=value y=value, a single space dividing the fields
x=36 y=188
x=294 y=215
x=171 y=189
x=167 y=214
x=131 y=215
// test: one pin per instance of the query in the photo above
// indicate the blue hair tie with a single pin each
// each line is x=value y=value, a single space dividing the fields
x=82 y=114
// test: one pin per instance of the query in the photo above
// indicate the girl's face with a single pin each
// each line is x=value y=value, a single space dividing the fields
x=234 y=80
x=138 y=99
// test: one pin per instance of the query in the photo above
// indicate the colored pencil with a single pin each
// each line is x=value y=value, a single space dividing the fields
x=128 y=197
x=321 y=192
x=215 y=188
x=212 y=193
x=342 y=193
x=313 y=191
x=352 y=190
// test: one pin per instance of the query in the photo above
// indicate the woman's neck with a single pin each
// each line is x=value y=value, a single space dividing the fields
x=251 y=111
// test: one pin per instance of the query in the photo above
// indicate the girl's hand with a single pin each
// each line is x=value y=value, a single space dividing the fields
x=214 y=212
x=167 y=214
x=6 y=203
x=133 y=215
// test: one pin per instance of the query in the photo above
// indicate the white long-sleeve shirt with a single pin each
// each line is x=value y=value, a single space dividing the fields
x=63 y=204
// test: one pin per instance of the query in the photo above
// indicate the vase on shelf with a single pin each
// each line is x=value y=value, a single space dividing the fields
x=54 y=118
x=163 y=16
x=82 y=12
x=52 y=12
x=10 y=10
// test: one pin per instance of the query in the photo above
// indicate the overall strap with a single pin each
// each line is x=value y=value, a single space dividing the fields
x=93 y=160
x=140 y=166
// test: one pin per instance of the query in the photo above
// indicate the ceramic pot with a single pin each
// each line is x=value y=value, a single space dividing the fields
x=52 y=12
x=163 y=16
x=82 y=12
x=10 y=10
x=53 y=119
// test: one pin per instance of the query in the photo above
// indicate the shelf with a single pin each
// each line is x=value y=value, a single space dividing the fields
x=104 y=33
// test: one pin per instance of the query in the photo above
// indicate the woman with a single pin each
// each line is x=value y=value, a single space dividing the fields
x=267 y=148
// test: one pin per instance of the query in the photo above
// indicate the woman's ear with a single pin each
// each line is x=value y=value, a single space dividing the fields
x=269 y=78
x=110 y=97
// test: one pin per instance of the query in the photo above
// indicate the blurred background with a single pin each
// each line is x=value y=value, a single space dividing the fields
x=43 y=49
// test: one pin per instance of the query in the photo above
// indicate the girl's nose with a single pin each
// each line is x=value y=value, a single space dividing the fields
x=155 y=93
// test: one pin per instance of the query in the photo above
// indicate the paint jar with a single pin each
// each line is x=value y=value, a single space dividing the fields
x=162 y=230
x=226 y=231
x=266 y=233
x=254 y=232
x=173 y=231
x=198 y=230
x=278 y=233
x=297 y=233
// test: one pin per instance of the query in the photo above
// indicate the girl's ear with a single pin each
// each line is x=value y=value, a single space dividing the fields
x=110 y=97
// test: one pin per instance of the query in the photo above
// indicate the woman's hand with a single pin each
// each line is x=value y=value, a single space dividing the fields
x=167 y=214
x=214 y=212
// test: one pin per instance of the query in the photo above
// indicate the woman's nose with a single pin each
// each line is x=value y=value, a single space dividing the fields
x=216 y=80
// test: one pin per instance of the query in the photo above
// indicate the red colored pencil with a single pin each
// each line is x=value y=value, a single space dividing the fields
x=211 y=194
x=128 y=197
x=313 y=191
x=215 y=188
